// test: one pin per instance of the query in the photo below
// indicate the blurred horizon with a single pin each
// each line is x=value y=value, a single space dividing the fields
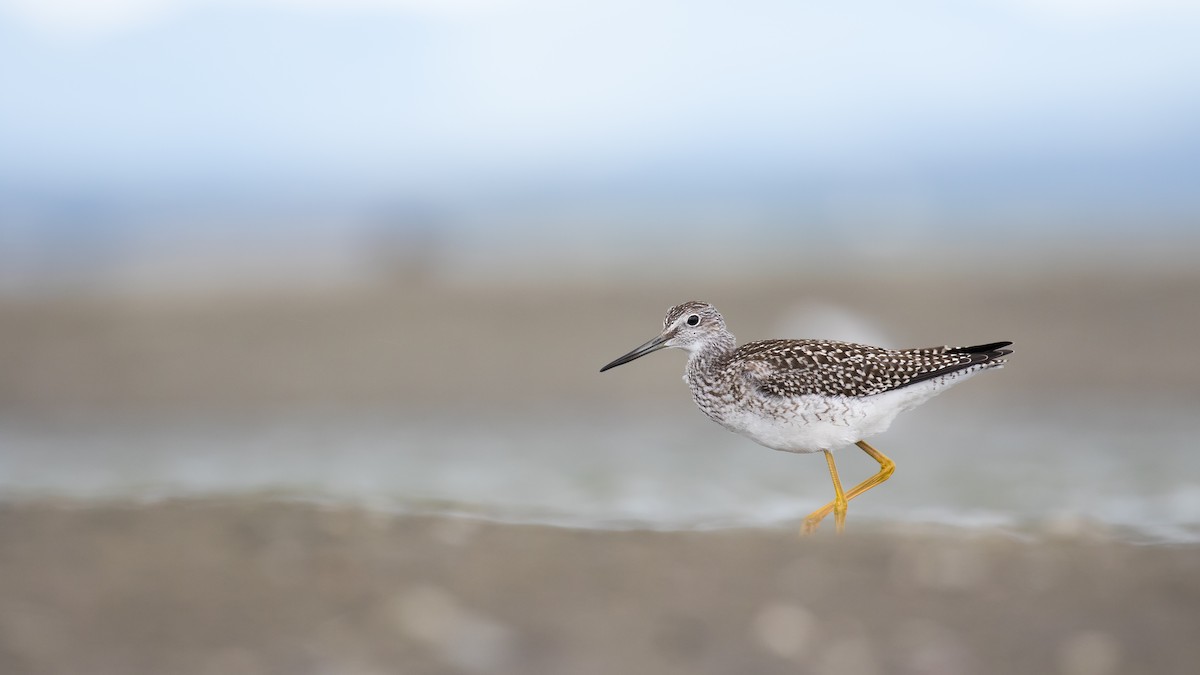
x=278 y=135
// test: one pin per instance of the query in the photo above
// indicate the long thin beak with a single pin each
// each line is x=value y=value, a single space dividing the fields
x=651 y=346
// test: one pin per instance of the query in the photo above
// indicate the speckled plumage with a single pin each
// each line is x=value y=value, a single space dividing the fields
x=788 y=368
x=769 y=370
x=809 y=395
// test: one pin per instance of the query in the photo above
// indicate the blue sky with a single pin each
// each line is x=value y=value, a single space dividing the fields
x=447 y=101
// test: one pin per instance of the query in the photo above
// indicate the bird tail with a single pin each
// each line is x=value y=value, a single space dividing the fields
x=991 y=353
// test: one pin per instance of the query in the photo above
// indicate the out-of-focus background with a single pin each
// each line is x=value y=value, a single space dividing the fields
x=370 y=255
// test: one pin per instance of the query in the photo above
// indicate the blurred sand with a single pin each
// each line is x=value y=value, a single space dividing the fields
x=1125 y=332
x=249 y=586
x=246 y=586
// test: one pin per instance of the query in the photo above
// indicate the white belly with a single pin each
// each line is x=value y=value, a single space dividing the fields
x=815 y=423
x=807 y=424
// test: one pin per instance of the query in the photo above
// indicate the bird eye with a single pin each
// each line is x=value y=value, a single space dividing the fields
x=693 y=320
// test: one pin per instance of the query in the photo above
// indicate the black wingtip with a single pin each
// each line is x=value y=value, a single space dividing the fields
x=991 y=350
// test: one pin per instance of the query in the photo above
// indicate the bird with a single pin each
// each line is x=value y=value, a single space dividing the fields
x=809 y=396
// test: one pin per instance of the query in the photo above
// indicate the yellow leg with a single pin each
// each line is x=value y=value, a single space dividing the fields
x=838 y=505
x=886 y=468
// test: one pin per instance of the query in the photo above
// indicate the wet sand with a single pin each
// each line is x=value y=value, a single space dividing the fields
x=252 y=586
x=430 y=347
x=247 y=586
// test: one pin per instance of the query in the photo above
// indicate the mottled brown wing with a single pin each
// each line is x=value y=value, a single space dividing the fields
x=789 y=368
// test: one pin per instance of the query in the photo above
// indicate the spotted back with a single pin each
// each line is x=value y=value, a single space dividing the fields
x=790 y=368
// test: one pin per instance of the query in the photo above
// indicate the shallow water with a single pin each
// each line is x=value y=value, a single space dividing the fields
x=1104 y=465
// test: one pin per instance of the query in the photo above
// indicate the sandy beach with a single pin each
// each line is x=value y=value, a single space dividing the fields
x=252 y=586
x=146 y=400
x=429 y=346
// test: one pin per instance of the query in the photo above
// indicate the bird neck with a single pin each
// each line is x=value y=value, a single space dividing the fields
x=703 y=374
x=712 y=353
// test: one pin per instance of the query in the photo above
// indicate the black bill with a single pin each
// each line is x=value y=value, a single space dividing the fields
x=651 y=346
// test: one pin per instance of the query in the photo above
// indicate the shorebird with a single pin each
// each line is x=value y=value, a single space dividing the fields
x=809 y=396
